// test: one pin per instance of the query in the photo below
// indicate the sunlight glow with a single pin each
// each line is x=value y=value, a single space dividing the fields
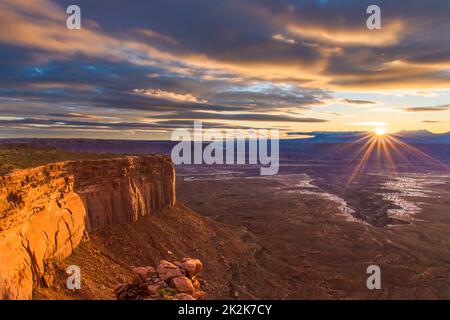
x=383 y=151
x=380 y=131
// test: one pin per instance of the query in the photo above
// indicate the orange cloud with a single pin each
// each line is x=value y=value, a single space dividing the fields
x=40 y=24
x=389 y=35
x=166 y=95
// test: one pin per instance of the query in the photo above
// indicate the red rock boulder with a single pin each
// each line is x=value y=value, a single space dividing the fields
x=182 y=284
x=192 y=266
x=167 y=271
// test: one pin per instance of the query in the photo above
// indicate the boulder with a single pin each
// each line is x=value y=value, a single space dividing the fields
x=167 y=271
x=143 y=272
x=168 y=282
x=183 y=284
x=192 y=266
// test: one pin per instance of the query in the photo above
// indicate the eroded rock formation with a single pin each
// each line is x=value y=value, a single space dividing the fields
x=46 y=211
x=169 y=281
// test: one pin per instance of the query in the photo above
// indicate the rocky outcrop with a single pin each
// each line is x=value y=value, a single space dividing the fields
x=46 y=211
x=169 y=281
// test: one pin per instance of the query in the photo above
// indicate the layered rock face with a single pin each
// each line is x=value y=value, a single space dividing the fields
x=46 y=211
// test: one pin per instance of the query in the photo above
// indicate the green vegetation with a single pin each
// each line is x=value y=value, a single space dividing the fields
x=168 y=293
x=21 y=156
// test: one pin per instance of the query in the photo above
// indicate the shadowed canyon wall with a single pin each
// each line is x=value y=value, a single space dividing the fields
x=46 y=211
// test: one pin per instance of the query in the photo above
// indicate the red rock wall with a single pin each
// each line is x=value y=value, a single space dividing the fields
x=45 y=211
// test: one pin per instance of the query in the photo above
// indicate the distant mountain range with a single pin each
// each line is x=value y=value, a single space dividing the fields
x=165 y=147
x=413 y=136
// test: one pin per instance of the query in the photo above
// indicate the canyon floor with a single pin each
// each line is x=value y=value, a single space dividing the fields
x=276 y=237
x=317 y=247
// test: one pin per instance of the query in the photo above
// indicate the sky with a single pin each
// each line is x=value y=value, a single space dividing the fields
x=139 y=69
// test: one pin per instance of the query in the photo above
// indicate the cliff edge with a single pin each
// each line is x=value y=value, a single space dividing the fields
x=46 y=211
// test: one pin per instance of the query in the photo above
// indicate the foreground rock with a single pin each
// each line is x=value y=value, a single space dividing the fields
x=167 y=271
x=170 y=281
x=45 y=212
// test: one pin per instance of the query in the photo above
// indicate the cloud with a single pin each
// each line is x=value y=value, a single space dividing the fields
x=357 y=101
x=329 y=34
x=333 y=49
x=166 y=95
x=280 y=37
x=241 y=117
x=431 y=121
x=428 y=109
x=67 y=125
x=249 y=61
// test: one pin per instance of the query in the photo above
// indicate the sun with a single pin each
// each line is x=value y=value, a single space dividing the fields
x=380 y=131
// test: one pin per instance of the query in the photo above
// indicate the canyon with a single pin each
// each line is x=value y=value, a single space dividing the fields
x=45 y=212
x=297 y=235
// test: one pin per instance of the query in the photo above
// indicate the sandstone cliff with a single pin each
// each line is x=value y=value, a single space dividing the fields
x=46 y=211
